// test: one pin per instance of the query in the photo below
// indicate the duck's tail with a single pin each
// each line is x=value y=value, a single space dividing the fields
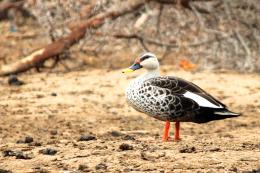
x=207 y=115
x=227 y=113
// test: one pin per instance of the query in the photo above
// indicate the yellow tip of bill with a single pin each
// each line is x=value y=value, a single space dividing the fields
x=127 y=70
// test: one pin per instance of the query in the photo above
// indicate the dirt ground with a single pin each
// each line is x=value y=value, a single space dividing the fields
x=56 y=109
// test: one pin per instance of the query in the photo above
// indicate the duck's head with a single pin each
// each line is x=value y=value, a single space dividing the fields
x=146 y=60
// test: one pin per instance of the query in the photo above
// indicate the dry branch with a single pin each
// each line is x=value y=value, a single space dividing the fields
x=59 y=46
x=248 y=61
x=168 y=45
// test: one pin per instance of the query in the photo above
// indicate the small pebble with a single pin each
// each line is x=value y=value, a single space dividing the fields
x=187 y=149
x=253 y=171
x=128 y=170
x=87 y=138
x=83 y=167
x=7 y=153
x=36 y=144
x=28 y=139
x=14 y=81
x=17 y=154
x=101 y=166
x=48 y=151
x=214 y=149
x=116 y=133
x=144 y=156
x=20 y=141
x=256 y=170
x=41 y=170
x=21 y=155
x=124 y=147
x=54 y=132
x=233 y=169
x=54 y=94
x=5 y=171
x=38 y=96
x=128 y=137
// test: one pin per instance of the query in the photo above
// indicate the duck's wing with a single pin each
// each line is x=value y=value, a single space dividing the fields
x=185 y=89
x=188 y=102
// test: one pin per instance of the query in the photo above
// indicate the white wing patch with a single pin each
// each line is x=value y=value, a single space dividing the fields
x=200 y=100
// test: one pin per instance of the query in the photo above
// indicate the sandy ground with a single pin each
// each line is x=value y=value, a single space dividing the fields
x=57 y=109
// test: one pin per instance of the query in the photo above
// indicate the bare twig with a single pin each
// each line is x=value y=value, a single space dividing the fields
x=248 y=61
x=162 y=44
x=158 y=24
x=194 y=9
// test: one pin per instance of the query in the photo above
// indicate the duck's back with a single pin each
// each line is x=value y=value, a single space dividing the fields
x=175 y=99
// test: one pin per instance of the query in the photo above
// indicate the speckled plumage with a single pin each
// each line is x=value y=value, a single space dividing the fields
x=163 y=98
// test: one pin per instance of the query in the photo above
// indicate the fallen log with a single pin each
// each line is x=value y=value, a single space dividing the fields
x=52 y=50
x=59 y=46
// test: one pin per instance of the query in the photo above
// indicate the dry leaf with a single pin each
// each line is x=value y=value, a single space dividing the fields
x=187 y=65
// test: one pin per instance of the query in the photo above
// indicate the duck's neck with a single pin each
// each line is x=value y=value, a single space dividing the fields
x=150 y=74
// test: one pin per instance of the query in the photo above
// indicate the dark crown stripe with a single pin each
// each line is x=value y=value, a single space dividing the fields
x=145 y=57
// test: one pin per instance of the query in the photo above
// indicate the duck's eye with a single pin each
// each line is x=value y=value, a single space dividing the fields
x=144 y=58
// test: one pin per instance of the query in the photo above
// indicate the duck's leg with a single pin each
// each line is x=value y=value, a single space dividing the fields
x=166 y=131
x=177 y=131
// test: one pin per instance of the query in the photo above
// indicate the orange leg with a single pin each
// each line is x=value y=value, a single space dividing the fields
x=177 y=131
x=166 y=131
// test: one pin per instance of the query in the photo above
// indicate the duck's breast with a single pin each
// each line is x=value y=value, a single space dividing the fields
x=147 y=99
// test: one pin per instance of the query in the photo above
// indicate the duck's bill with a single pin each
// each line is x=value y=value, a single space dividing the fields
x=132 y=68
x=127 y=70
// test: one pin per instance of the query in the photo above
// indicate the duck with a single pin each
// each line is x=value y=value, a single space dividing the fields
x=170 y=98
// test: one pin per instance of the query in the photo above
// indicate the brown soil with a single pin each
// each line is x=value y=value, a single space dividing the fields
x=57 y=109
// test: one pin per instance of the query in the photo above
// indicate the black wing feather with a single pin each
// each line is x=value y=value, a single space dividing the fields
x=188 y=86
x=180 y=86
